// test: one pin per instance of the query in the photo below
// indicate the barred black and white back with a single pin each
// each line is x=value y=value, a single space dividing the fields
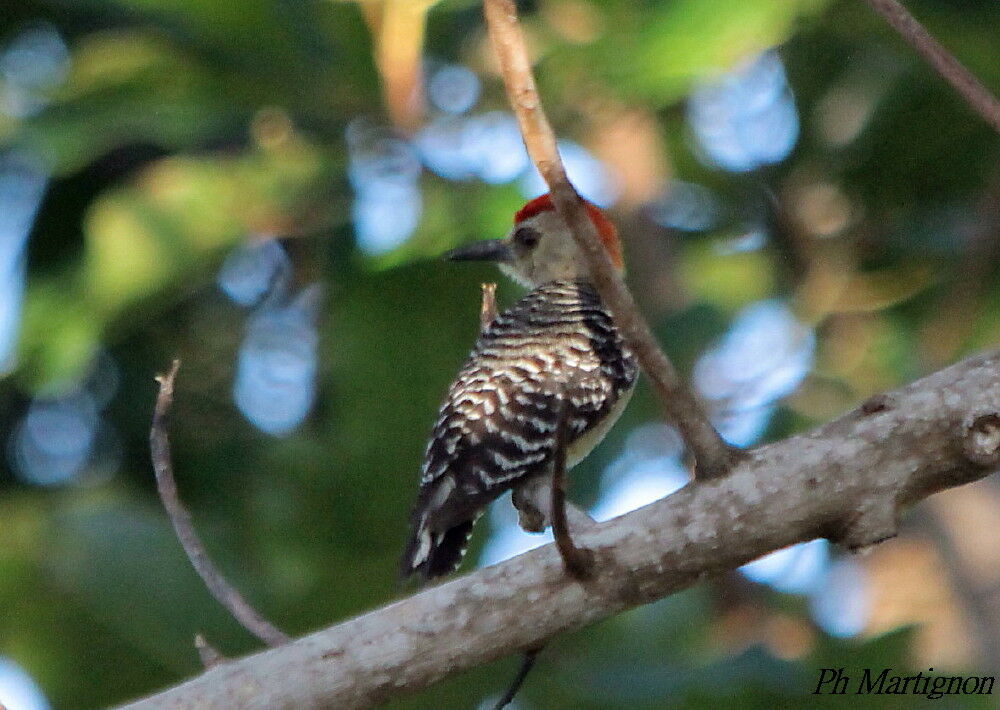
x=556 y=352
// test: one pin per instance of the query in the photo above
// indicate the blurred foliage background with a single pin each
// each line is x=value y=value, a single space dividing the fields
x=809 y=214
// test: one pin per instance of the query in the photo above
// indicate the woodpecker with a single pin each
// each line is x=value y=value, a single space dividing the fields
x=554 y=358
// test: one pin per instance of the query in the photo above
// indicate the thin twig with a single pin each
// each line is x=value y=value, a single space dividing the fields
x=712 y=455
x=528 y=659
x=951 y=70
x=220 y=588
x=209 y=655
x=488 y=306
x=579 y=561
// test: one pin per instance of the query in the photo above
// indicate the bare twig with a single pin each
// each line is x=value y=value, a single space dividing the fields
x=528 y=659
x=846 y=480
x=488 y=307
x=951 y=70
x=209 y=655
x=579 y=561
x=712 y=455
x=220 y=588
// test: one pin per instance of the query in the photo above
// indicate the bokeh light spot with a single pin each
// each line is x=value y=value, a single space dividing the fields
x=841 y=605
x=253 y=270
x=747 y=118
x=798 y=569
x=53 y=442
x=22 y=185
x=34 y=63
x=764 y=356
x=453 y=88
x=277 y=362
x=18 y=691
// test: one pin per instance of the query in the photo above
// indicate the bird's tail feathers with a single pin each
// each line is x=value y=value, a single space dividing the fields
x=431 y=554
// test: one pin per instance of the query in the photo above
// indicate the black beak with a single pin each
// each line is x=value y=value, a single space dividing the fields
x=489 y=250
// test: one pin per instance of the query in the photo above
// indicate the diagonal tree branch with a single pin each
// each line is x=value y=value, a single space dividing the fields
x=846 y=480
x=712 y=455
x=225 y=593
x=944 y=63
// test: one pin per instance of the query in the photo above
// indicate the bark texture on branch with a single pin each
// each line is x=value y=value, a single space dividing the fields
x=846 y=480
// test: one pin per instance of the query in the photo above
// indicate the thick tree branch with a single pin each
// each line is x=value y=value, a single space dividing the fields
x=712 y=455
x=225 y=593
x=944 y=63
x=847 y=480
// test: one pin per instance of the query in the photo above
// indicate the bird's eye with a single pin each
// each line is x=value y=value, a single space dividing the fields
x=527 y=237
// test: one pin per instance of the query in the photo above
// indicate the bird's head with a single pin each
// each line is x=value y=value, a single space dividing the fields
x=540 y=248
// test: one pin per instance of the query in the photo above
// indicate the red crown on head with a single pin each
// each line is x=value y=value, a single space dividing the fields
x=605 y=229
